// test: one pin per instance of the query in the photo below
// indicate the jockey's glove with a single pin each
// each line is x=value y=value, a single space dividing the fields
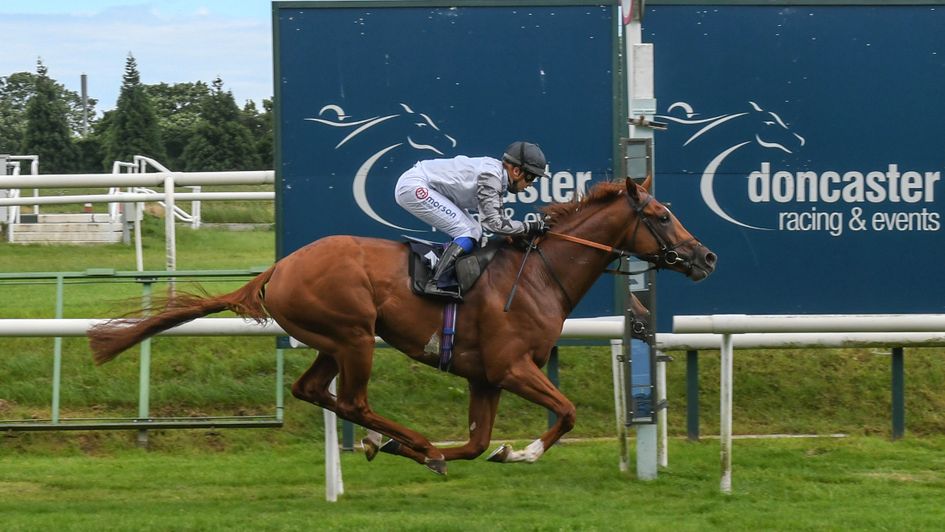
x=535 y=227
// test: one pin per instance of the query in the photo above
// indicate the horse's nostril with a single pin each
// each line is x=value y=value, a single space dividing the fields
x=710 y=259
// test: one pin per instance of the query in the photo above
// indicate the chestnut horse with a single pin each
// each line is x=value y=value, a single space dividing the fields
x=337 y=293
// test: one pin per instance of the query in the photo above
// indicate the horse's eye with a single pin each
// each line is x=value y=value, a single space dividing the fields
x=664 y=219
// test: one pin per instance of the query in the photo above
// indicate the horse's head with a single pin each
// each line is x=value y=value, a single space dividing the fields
x=658 y=237
x=625 y=220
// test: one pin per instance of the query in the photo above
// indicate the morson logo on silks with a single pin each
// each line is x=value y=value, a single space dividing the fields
x=419 y=132
x=889 y=199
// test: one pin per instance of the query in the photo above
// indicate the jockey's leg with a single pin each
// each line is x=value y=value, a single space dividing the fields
x=435 y=209
x=445 y=264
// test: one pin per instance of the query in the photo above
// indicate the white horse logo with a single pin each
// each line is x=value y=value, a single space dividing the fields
x=422 y=134
x=771 y=133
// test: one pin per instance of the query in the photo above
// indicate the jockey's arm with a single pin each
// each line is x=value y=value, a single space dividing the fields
x=491 y=215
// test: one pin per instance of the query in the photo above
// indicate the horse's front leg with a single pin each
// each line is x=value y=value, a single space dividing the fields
x=483 y=405
x=352 y=404
x=526 y=380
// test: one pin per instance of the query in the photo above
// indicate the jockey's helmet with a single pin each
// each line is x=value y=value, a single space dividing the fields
x=527 y=156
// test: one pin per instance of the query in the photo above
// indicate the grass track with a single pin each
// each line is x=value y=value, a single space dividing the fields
x=272 y=479
x=825 y=484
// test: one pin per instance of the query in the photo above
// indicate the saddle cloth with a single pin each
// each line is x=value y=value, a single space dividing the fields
x=424 y=255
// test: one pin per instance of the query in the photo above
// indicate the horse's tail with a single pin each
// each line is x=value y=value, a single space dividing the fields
x=110 y=338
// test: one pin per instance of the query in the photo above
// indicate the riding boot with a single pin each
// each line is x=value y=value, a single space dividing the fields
x=447 y=261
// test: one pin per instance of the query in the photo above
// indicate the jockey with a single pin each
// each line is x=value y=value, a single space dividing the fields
x=442 y=192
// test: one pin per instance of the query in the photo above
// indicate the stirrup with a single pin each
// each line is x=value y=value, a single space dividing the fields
x=431 y=289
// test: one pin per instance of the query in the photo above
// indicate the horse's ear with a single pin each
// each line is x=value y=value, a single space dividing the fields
x=632 y=190
x=648 y=184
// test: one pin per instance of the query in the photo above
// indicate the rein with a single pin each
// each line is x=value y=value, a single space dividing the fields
x=589 y=243
x=638 y=328
x=666 y=256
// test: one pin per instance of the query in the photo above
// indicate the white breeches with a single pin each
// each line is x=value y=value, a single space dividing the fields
x=413 y=194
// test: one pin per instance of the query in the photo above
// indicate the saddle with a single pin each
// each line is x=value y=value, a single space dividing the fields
x=423 y=257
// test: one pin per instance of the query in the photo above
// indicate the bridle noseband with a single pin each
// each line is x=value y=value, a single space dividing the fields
x=667 y=254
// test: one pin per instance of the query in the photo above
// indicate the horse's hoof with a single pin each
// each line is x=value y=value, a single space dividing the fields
x=370 y=448
x=501 y=454
x=437 y=466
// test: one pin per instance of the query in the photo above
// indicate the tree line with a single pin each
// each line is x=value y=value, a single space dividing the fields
x=185 y=126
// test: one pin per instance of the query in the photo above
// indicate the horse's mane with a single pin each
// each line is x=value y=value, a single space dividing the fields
x=599 y=193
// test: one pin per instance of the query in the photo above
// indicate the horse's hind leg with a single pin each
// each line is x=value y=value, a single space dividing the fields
x=483 y=405
x=526 y=380
x=313 y=385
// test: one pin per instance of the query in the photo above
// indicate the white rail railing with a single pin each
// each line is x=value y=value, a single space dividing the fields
x=602 y=328
x=153 y=179
x=136 y=180
x=693 y=332
x=12 y=162
x=729 y=327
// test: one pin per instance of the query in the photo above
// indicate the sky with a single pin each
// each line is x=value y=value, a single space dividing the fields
x=173 y=41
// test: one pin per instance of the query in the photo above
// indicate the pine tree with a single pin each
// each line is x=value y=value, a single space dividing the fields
x=47 y=131
x=220 y=142
x=133 y=128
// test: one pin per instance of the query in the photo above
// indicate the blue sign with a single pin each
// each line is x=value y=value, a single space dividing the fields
x=805 y=148
x=366 y=89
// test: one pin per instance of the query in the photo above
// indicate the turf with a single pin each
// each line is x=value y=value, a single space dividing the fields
x=828 y=484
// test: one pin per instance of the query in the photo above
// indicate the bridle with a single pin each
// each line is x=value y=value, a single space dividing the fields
x=667 y=255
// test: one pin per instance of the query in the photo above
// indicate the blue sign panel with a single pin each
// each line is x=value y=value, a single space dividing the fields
x=805 y=148
x=365 y=90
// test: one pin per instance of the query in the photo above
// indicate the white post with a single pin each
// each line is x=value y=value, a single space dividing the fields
x=662 y=415
x=725 y=419
x=620 y=403
x=333 y=483
x=170 y=239
x=640 y=101
x=34 y=170
x=3 y=194
x=195 y=210
x=135 y=211
x=646 y=452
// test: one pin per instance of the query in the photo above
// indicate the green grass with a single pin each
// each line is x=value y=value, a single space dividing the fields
x=827 y=484
x=776 y=391
x=238 y=211
x=202 y=249
x=259 y=479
